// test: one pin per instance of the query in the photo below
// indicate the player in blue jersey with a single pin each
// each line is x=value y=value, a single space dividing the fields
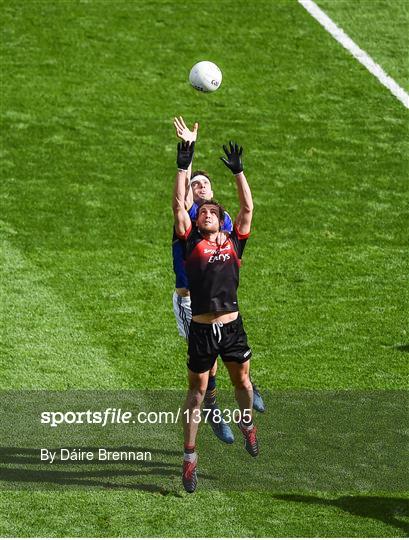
x=198 y=188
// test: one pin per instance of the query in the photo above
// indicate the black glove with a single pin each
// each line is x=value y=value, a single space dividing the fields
x=233 y=161
x=185 y=154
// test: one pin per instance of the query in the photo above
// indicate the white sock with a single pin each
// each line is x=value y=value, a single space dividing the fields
x=190 y=457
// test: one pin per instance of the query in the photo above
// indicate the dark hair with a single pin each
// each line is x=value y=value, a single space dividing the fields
x=199 y=171
x=213 y=203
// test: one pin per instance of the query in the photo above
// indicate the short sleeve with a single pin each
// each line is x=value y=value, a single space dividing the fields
x=239 y=241
x=239 y=235
x=186 y=235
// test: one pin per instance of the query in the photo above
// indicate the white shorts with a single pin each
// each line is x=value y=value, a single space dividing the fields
x=183 y=313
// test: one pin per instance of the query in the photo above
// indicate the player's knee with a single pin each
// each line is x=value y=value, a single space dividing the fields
x=243 y=382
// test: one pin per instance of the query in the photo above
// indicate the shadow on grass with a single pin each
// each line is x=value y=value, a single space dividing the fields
x=402 y=348
x=30 y=473
x=390 y=510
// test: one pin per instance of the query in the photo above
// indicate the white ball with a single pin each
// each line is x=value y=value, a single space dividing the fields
x=205 y=77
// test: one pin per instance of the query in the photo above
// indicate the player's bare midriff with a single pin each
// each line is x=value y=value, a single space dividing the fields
x=210 y=318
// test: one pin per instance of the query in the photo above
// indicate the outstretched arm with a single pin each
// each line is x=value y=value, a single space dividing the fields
x=245 y=215
x=181 y=217
x=234 y=162
x=187 y=135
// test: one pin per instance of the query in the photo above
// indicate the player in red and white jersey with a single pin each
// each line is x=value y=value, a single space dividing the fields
x=198 y=188
x=216 y=327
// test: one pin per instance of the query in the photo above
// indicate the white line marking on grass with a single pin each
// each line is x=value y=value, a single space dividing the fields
x=362 y=57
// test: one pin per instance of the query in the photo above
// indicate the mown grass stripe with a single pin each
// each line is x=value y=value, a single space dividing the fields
x=39 y=330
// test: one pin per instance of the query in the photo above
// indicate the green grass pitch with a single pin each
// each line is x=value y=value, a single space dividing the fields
x=88 y=93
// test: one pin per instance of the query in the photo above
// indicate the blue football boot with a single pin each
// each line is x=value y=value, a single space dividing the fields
x=218 y=424
x=258 y=403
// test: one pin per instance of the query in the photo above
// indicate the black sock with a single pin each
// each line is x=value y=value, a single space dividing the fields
x=210 y=396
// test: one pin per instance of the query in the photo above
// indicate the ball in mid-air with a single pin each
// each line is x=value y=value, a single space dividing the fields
x=205 y=77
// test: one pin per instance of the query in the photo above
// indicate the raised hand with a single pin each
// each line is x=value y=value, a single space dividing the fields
x=233 y=161
x=183 y=132
x=185 y=155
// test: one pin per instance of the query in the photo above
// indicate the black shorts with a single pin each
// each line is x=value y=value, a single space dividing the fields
x=207 y=341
